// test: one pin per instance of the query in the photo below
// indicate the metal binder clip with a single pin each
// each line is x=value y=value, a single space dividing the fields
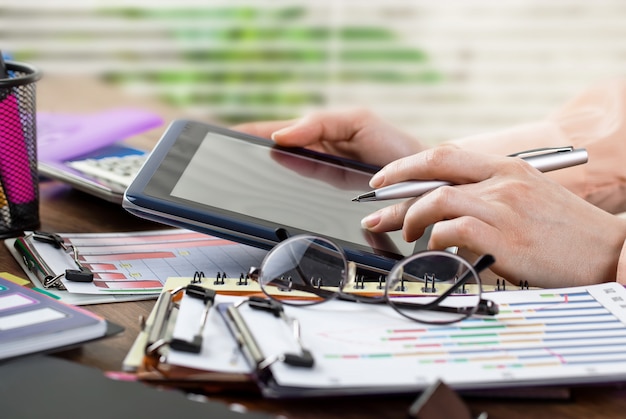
x=208 y=298
x=249 y=345
x=82 y=274
x=159 y=332
x=50 y=238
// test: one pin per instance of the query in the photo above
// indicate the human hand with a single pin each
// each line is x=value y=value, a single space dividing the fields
x=536 y=229
x=355 y=134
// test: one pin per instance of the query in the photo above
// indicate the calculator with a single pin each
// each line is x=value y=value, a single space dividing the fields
x=116 y=170
x=105 y=173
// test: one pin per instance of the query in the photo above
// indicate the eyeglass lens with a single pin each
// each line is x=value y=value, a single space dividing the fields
x=303 y=270
x=449 y=286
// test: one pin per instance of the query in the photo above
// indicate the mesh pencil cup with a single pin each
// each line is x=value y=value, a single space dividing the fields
x=19 y=186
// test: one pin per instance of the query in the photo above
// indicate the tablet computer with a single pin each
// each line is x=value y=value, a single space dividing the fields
x=248 y=189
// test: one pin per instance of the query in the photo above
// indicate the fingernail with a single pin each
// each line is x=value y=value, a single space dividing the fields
x=282 y=132
x=371 y=220
x=377 y=180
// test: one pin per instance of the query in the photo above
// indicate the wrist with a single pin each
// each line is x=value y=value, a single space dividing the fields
x=620 y=275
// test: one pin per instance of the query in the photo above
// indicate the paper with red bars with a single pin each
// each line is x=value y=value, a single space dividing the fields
x=15 y=168
x=141 y=262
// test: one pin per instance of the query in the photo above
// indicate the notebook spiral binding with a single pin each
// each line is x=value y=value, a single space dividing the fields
x=364 y=285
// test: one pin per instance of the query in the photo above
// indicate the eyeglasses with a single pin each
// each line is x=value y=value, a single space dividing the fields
x=434 y=287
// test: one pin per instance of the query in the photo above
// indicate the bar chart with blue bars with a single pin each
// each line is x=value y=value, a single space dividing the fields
x=561 y=336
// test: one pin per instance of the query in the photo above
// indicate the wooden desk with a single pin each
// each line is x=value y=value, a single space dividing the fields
x=65 y=210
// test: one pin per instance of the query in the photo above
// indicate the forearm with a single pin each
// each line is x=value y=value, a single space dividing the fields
x=595 y=120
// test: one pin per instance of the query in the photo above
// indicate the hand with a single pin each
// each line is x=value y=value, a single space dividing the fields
x=536 y=229
x=354 y=134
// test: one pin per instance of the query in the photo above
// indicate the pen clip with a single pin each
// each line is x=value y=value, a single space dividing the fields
x=542 y=151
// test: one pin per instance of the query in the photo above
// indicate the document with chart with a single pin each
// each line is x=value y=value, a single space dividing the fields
x=540 y=337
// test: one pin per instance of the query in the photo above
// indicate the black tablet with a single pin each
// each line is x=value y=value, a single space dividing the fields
x=248 y=189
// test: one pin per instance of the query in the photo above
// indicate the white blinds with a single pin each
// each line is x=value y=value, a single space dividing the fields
x=440 y=69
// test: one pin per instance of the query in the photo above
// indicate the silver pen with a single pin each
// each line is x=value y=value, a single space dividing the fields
x=542 y=159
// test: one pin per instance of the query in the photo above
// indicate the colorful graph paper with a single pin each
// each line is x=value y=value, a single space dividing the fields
x=141 y=262
x=575 y=335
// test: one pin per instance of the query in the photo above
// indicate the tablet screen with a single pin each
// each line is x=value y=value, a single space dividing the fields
x=290 y=190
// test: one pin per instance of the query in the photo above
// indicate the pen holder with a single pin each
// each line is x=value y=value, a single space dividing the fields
x=19 y=183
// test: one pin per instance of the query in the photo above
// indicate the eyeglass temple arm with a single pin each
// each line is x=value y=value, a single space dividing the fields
x=480 y=265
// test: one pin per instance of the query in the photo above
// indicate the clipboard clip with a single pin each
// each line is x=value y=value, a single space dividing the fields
x=158 y=333
x=250 y=347
x=37 y=264
x=81 y=274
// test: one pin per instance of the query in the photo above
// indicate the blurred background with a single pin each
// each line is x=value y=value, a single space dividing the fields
x=439 y=69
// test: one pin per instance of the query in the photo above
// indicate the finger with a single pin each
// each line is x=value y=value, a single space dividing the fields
x=322 y=126
x=446 y=162
x=390 y=218
x=263 y=129
x=444 y=203
x=469 y=233
x=472 y=237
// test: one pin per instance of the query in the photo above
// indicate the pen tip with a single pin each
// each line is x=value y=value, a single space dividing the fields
x=368 y=196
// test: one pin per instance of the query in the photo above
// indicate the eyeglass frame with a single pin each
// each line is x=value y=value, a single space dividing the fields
x=483 y=306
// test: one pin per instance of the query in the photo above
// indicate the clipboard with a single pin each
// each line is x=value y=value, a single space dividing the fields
x=124 y=266
x=161 y=355
x=541 y=341
x=40 y=272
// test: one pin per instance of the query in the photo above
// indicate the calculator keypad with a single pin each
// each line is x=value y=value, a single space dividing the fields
x=120 y=170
